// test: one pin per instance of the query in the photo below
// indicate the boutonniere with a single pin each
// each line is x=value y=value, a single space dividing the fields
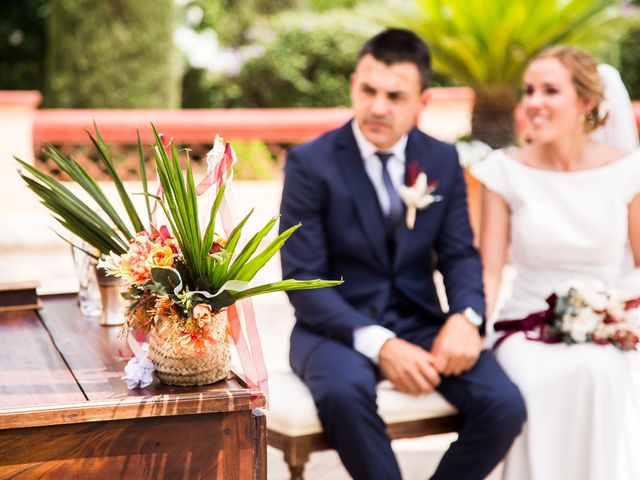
x=419 y=194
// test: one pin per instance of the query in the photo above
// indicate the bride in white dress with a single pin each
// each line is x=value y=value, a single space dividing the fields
x=565 y=207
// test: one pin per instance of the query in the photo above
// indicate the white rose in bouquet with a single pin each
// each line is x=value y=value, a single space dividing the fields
x=580 y=325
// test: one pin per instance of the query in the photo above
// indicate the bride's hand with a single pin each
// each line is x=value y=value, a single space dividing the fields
x=457 y=347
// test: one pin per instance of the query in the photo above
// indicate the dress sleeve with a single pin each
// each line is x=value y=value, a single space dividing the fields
x=631 y=179
x=492 y=173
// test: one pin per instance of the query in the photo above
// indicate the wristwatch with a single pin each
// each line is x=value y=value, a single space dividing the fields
x=473 y=317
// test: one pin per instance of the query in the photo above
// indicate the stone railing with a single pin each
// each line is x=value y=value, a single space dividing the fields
x=23 y=129
x=447 y=116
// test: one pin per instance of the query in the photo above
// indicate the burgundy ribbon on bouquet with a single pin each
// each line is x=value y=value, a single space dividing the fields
x=532 y=322
x=540 y=320
x=633 y=303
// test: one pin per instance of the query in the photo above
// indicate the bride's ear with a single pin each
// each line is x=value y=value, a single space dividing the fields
x=588 y=104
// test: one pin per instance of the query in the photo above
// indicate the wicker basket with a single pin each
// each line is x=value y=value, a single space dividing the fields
x=192 y=369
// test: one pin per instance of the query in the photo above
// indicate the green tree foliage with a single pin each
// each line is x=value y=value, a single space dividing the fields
x=234 y=20
x=302 y=67
x=22 y=44
x=306 y=62
x=487 y=45
x=630 y=62
x=116 y=53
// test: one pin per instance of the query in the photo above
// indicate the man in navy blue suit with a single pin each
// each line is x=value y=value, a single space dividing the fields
x=385 y=320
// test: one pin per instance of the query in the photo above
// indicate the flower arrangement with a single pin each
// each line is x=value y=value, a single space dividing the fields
x=182 y=277
x=595 y=315
x=586 y=311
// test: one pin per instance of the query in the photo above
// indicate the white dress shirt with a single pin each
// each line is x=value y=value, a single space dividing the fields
x=369 y=340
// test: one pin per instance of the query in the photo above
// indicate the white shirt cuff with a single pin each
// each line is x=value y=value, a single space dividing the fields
x=369 y=340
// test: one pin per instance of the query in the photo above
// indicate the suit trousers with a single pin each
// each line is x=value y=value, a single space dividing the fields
x=343 y=386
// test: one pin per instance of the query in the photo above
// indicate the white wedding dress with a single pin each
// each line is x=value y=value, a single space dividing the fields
x=583 y=401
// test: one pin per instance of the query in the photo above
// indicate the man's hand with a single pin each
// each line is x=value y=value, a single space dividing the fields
x=410 y=368
x=457 y=347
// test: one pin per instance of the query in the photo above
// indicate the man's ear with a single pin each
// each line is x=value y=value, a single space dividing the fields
x=425 y=97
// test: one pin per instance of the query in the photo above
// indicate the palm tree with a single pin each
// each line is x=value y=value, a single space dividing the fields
x=487 y=44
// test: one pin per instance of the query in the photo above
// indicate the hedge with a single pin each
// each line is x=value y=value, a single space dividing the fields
x=115 y=54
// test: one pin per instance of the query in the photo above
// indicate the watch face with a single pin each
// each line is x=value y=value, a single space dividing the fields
x=474 y=317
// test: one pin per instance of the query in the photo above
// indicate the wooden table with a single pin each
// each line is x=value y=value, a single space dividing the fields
x=65 y=413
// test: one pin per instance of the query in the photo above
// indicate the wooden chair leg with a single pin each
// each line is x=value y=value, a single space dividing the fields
x=296 y=472
x=296 y=460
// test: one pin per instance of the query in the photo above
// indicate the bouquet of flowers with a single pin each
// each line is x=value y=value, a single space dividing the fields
x=183 y=278
x=598 y=315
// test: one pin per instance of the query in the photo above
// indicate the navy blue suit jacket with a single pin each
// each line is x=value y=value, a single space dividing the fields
x=327 y=189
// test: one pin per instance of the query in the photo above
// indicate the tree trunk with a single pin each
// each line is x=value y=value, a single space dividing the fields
x=492 y=119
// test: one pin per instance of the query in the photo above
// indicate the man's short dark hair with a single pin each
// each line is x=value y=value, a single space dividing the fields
x=396 y=45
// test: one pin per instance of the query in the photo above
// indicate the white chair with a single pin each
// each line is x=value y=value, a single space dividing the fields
x=294 y=428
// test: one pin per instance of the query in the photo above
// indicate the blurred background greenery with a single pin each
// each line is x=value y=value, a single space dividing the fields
x=291 y=53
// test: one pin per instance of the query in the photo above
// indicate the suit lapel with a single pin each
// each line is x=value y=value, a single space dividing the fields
x=367 y=204
x=421 y=152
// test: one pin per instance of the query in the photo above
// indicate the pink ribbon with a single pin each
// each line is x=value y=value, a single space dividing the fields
x=255 y=347
x=217 y=174
x=251 y=357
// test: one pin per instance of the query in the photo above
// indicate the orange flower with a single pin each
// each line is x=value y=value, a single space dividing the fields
x=164 y=307
x=197 y=341
x=160 y=257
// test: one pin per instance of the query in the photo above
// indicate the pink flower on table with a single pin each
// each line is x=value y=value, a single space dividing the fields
x=163 y=237
x=146 y=250
x=163 y=233
x=202 y=314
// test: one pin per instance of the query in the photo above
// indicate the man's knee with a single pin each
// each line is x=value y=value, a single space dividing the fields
x=505 y=412
x=345 y=397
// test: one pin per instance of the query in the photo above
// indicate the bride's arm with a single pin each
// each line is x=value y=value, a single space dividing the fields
x=494 y=244
x=634 y=228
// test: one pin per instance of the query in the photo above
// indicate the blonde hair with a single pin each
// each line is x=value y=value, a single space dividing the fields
x=585 y=78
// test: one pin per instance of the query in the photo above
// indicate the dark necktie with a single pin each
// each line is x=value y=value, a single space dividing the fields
x=395 y=204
